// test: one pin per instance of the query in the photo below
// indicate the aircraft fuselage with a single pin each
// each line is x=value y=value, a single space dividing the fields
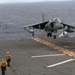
x=53 y=26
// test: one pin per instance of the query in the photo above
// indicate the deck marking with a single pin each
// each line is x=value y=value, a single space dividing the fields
x=47 y=55
x=65 y=51
x=50 y=66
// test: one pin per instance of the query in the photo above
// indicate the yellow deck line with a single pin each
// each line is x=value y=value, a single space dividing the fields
x=65 y=51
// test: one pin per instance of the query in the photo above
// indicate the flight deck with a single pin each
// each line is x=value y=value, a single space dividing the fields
x=40 y=56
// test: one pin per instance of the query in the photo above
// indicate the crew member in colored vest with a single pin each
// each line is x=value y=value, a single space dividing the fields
x=8 y=58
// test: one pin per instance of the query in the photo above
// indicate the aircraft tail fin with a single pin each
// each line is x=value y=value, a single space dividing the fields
x=43 y=17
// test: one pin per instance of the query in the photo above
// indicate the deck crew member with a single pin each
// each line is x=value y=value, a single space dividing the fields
x=3 y=65
x=8 y=58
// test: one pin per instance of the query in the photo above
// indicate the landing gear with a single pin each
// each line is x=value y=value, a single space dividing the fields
x=54 y=36
x=49 y=34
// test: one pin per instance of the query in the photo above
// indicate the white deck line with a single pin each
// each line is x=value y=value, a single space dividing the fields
x=47 y=55
x=50 y=66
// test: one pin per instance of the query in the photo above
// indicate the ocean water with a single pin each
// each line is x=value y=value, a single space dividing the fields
x=13 y=17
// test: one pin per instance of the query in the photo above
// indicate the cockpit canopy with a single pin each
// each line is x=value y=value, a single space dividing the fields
x=56 y=20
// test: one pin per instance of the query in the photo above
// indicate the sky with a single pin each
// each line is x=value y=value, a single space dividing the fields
x=14 y=1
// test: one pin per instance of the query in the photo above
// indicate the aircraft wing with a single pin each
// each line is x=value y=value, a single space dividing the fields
x=40 y=25
x=69 y=26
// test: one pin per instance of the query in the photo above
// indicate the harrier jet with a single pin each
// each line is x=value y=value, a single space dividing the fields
x=50 y=27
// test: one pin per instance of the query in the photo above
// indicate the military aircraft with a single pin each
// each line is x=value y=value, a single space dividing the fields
x=51 y=26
